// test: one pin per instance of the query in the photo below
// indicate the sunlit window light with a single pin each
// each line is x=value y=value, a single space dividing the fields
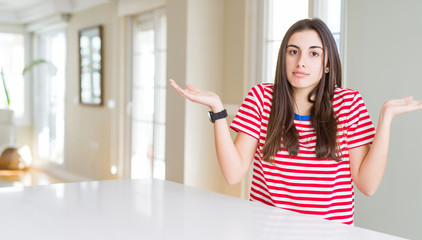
x=113 y=170
x=50 y=91
x=12 y=63
x=149 y=96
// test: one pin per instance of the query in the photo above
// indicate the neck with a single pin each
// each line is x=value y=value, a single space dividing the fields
x=302 y=105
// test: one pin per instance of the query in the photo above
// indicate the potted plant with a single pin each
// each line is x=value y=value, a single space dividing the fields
x=5 y=88
x=6 y=118
x=6 y=114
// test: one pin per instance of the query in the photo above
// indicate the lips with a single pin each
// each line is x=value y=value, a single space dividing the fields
x=300 y=74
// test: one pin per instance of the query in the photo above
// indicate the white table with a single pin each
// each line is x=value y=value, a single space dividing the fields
x=153 y=209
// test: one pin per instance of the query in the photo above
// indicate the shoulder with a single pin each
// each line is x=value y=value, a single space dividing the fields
x=345 y=92
x=261 y=94
x=262 y=87
x=262 y=90
x=345 y=95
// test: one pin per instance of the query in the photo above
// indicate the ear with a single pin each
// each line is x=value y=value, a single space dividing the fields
x=327 y=70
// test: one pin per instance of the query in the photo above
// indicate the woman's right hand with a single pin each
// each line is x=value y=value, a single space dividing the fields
x=197 y=95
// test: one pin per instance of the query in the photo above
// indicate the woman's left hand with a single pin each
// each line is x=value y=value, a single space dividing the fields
x=395 y=107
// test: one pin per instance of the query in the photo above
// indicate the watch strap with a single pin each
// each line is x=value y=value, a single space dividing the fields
x=216 y=116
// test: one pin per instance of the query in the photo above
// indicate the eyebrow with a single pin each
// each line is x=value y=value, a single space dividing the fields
x=311 y=47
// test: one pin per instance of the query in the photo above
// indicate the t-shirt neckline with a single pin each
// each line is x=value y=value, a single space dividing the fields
x=302 y=118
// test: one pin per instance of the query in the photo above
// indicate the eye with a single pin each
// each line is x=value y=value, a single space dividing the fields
x=293 y=52
x=314 y=54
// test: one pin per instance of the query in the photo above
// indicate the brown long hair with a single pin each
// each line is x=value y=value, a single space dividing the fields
x=281 y=131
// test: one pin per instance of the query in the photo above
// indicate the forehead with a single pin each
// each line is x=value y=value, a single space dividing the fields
x=305 y=39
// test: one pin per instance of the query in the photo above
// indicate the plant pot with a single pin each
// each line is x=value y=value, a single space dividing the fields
x=6 y=116
x=6 y=128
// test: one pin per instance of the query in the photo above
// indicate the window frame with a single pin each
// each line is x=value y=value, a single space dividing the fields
x=36 y=75
x=155 y=15
x=258 y=32
x=26 y=119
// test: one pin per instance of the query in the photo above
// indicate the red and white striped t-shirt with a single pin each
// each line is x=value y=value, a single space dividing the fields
x=305 y=184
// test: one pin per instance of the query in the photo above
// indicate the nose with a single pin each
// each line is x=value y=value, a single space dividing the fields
x=301 y=63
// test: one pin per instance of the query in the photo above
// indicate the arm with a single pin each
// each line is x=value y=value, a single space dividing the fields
x=234 y=158
x=367 y=164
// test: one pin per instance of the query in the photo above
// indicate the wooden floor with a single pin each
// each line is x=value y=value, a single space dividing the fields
x=30 y=177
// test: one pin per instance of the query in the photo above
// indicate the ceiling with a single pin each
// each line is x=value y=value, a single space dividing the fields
x=25 y=11
x=13 y=5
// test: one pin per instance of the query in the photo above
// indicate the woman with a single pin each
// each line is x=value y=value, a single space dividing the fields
x=308 y=138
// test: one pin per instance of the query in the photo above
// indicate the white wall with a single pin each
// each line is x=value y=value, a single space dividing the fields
x=195 y=56
x=205 y=39
x=175 y=105
x=205 y=49
x=91 y=133
x=384 y=61
x=235 y=58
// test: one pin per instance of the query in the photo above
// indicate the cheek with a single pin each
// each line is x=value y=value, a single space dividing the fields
x=317 y=67
x=290 y=63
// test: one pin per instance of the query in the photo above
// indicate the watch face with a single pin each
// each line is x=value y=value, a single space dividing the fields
x=209 y=116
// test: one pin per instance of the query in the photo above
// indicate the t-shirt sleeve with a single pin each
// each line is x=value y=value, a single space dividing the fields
x=248 y=118
x=361 y=130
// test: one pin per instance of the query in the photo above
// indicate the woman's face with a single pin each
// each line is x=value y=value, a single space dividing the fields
x=304 y=58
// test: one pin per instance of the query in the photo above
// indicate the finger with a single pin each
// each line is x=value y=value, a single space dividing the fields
x=414 y=105
x=179 y=90
x=419 y=104
x=191 y=88
x=173 y=84
x=408 y=98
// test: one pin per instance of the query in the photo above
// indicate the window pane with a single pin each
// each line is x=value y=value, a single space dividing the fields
x=12 y=63
x=159 y=151
x=143 y=107
x=58 y=57
x=330 y=12
x=149 y=95
x=333 y=15
x=337 y=39
x=272 y=56
x=159 y=141
x=145 y=34
x=144 y=70
x=162 y=43
x=159 y=169
x=283 y=14
x=161 y=70
x=142 y=149
x=160 y=106
x=50 y=95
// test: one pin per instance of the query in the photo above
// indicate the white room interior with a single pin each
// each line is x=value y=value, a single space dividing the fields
x=212 y=44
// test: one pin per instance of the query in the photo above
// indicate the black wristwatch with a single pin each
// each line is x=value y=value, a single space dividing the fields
x=216 y=116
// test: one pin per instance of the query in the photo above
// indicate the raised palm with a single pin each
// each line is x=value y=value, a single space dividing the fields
x=395 y=107
x=197 y=95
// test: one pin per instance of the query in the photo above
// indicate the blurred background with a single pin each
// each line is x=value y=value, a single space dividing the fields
x=95 y=105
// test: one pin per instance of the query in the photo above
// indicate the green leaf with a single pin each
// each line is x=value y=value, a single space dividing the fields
x=33 y=64
x=5 y=88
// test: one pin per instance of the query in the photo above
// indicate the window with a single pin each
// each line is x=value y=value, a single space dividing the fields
x=49 y=96
x=149 y=95
x=330 y=12
x=279 y=15
x=12 y=64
